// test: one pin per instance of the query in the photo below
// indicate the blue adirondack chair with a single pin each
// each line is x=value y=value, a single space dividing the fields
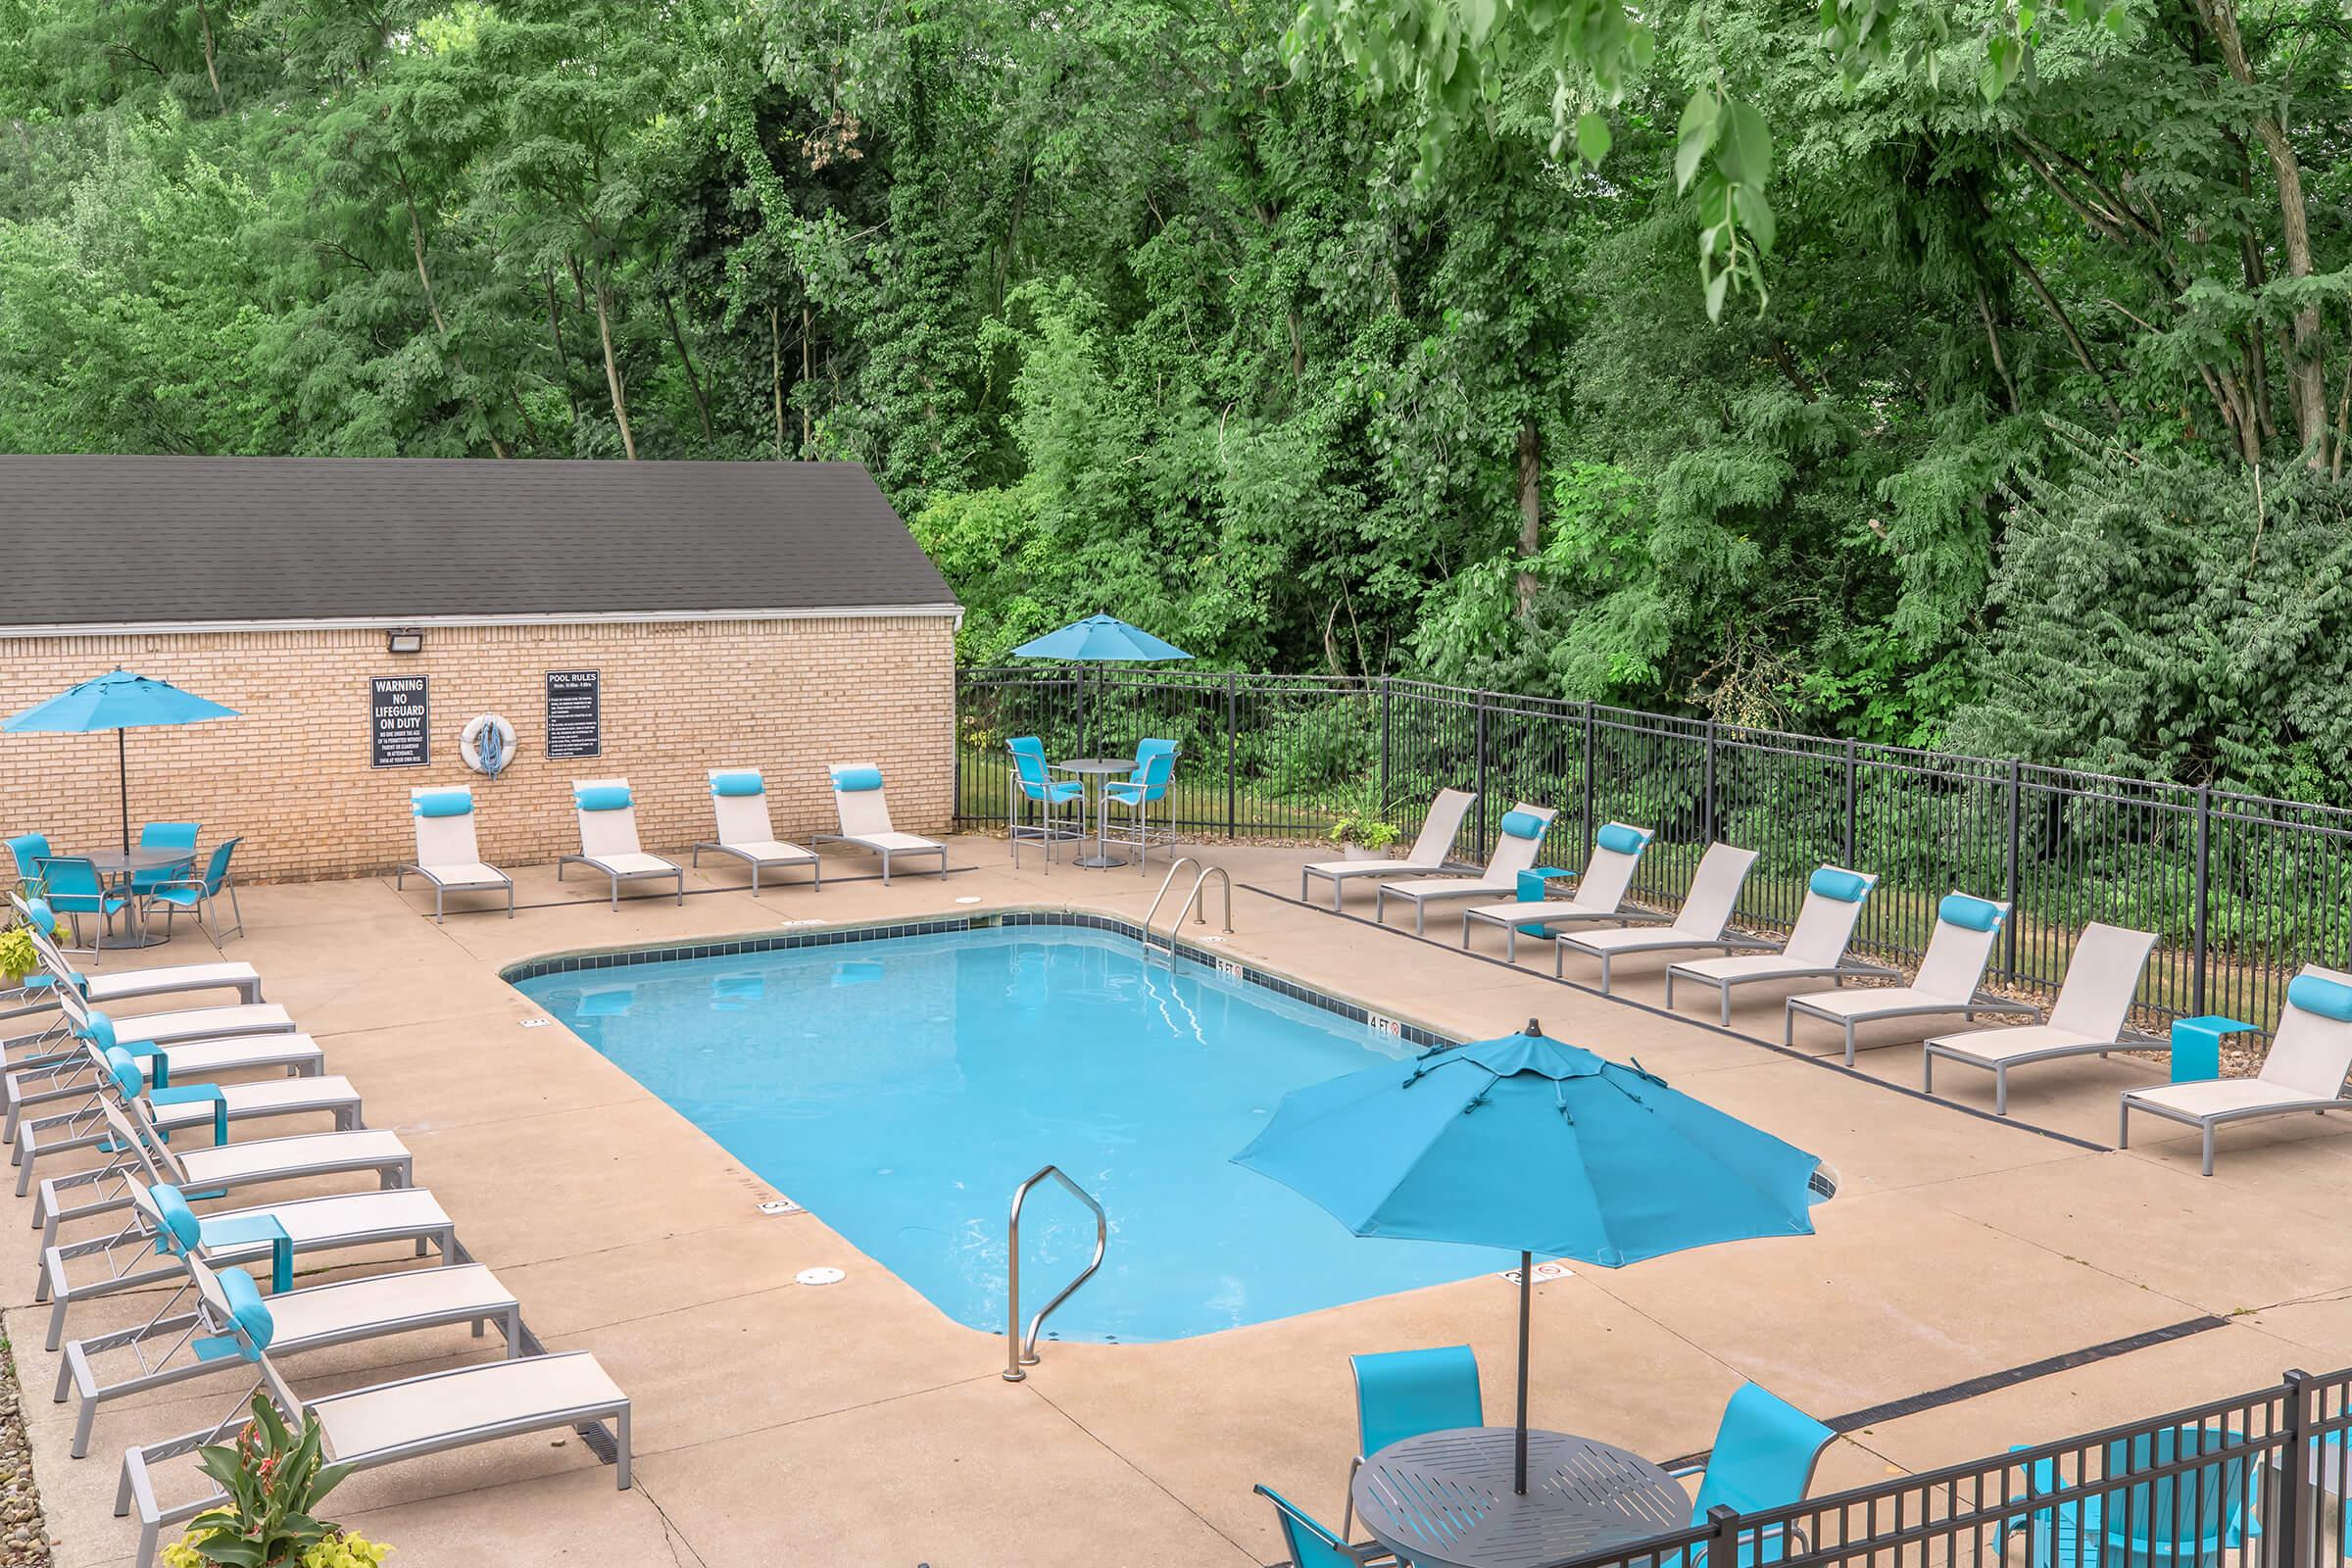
x=2192 y=1518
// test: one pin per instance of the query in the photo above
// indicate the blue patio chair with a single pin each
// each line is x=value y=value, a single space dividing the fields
x=74 y=889
x=163 y=836
x=1764 y=1456
x=1309 y=1543
x=1404 y=1394
x=1032 y=785
x=198 y=896
x=2194 y=1518
x=29 y=850
x=1135 y=796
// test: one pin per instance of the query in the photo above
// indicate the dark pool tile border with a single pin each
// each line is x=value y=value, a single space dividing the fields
x=784 y=940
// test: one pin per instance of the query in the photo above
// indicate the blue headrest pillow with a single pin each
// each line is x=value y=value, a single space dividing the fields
x=1847 y=886
x=100 y=1029
x=744 y=781
x=851 y=780
x=442 y=803
x=1523 y=824
x=601 y=798
x=1622 y=839
x=2330 y=999
x=245 y=1304
x=1971 y=913
x=181 y=1223
x=42 y=916
x=128 y=1076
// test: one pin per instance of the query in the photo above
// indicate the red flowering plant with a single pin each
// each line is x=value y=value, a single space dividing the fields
x=276 y=1481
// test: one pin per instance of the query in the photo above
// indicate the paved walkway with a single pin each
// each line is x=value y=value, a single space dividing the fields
x=854 y=1424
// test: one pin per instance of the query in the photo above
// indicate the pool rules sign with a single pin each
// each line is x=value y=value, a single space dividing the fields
x=397 y=726
x=574 y=713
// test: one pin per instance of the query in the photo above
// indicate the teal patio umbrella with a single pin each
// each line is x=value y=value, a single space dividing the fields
x=118 y=700
x=1099 y=639
x=1533 y=1145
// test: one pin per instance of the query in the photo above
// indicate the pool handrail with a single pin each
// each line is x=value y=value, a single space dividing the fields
x=1017 y=1351
x=1190 y=904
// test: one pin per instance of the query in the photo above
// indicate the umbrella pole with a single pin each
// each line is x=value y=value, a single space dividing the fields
x=123 y=772
x=1527 y=1288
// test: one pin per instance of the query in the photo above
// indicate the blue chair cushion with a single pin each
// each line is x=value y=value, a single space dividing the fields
x=1623 y=840
x=182 y=1230
x=442 y=803
x=1847 y=886
x=852 y=780
x=601 y=798
x=1970 y=913
x=1523 y=824
x=2330 y=999
x=746 y=782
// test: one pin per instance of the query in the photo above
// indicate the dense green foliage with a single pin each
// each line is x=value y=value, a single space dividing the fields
x=1376 y=338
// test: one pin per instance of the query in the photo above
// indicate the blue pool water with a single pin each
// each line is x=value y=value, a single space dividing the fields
x=900 y=1087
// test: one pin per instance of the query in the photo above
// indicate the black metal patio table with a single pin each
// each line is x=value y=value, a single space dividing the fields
x=1445 y=1499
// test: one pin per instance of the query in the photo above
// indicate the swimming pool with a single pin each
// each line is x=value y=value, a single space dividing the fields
x=900 y=1087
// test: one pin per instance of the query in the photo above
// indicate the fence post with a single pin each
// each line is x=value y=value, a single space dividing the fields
x=955 y=745
x=1724 y=1521
x=1708 y=814
x=1478 y=747
x=1586 y=836
x=2196 y=928
x=2016 y=776
x=1853 y=808
x=1383 y=744
x=1233 y=731
x=2295 y=1474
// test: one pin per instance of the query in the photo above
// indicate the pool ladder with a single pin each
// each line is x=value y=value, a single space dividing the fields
x=1021 y=1352
x=1191 y=906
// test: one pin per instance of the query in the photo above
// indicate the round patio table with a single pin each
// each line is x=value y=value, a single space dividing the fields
x=1096 y=769
x=119 y=865
x=1443 y=1500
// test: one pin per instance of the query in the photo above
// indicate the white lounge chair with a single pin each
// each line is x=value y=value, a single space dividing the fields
x=160 y=1065
x=163 y=1228
x=746 y=831
x=2304 y=1071
x=1703 y=921
x=1515 y=851
x=136 y=1149
x=2102 y=976
x=1949 y=977
x=102 y=990
x=608 y=816
x=1431 y=854
x=864 y=812
x=1601 y=889
x=1815 y=949
x=184 y=1338
x=176 y=1107
x=364 y=1428
x=447 y=854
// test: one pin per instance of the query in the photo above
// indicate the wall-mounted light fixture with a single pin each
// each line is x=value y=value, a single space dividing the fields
x=404 y=640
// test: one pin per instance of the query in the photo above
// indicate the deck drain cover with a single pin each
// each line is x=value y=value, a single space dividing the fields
x=781 y=1205
x=536 y=1023
x=821 y=1275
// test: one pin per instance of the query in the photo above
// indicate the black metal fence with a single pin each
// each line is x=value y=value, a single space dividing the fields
x=2255 y=1481
x=2242 y=890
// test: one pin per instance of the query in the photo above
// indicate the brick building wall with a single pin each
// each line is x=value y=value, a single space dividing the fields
x=292 y=773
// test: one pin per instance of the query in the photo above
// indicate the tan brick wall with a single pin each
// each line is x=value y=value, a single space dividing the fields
x=291 y=774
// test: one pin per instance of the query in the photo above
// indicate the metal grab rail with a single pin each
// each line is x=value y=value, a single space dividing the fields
x=1017 y=1351
x=1190 y=904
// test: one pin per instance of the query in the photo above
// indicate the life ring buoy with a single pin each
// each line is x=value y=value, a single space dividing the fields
x=491 y=758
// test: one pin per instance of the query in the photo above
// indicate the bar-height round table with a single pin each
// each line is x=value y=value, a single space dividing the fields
x=119 y=865
x=1096 y=769
x=1443 y=1500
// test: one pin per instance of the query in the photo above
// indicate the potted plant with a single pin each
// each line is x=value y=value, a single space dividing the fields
x=18 y=956
x=1363 y=831
x=275 y=1480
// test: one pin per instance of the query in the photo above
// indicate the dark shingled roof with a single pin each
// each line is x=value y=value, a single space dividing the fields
x=121 y=540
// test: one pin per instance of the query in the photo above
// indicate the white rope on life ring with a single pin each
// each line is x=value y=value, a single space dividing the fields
x=501 y=751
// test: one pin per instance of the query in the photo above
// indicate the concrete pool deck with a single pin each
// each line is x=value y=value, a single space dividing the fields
x=855 y=1424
